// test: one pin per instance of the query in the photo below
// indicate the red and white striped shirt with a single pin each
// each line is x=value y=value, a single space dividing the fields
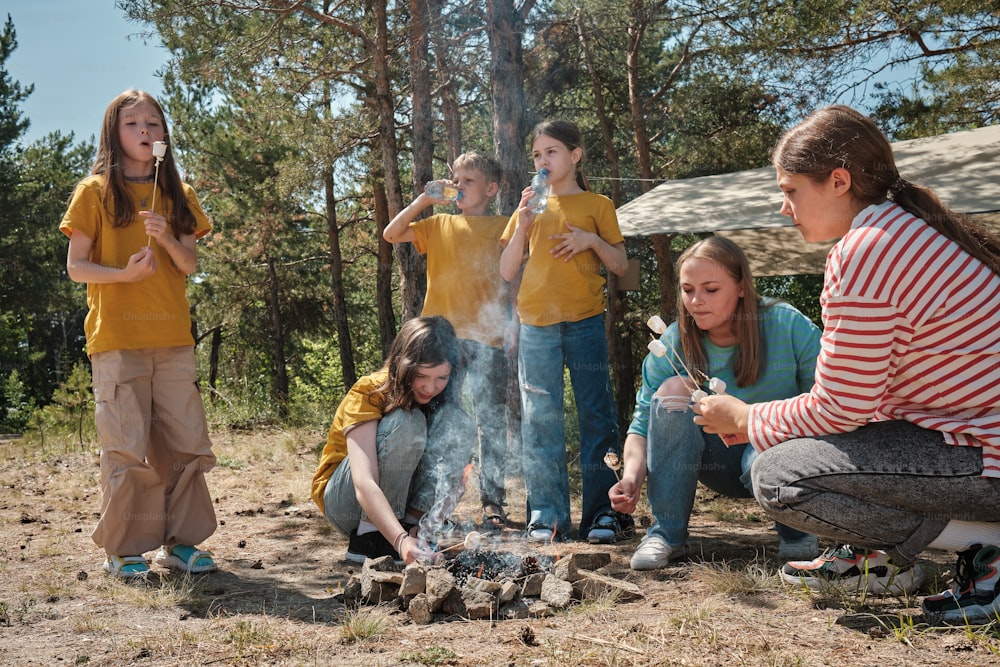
x=911 y=331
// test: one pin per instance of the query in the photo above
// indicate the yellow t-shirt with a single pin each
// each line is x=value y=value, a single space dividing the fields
x=363 y=403
x=463 y=273
x=153 y=312
x=553 y=290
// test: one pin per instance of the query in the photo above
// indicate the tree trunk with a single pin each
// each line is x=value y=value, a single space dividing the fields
x=348 y=370
x=383 y=278
x=505 y=27
x=413 y=281
x=668 y=289
x=447 y=90
x=607 y=126
x=277 y=339
x=619 y=345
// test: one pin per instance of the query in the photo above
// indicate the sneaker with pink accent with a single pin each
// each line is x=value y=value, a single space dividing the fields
x=974 y=596
x=854 y=570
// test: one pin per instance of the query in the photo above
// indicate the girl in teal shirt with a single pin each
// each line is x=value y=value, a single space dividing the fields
x=758 y=348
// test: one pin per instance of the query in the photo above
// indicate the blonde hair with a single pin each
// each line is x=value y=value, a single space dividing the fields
x=484 y=164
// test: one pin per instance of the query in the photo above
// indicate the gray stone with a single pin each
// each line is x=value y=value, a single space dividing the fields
x=566 y=568
x=509 y=591
x=440 y=584
x=593 y=561
x=591 y=585
x=532 y=587
x=454 y=604
x=484 y=585
x=352 y=590
x=380 y=585
x=380 y=564
x=556 y=592
x=479 y=604
x=414 y=580
x=515 y=609
x=420 y=609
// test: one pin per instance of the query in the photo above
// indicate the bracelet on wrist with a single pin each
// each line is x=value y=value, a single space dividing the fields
x=397 y=543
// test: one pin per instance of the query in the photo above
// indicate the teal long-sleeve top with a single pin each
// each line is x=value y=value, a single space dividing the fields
x=791 y=344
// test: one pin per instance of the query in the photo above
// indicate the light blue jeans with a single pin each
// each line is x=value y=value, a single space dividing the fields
x=543 y=352
x=679 y=454
x=420 y=465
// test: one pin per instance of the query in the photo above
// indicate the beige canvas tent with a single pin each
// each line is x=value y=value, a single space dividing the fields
x=962 y=167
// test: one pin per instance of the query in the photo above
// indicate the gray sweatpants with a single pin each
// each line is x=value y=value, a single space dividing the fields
x=888 y=485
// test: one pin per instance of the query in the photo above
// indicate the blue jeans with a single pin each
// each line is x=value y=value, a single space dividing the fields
x=679 y=455
x=543 y=352
x=485 y=378
x=420 y=465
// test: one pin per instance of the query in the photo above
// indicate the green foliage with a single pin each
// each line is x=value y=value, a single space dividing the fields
x=803 y=292
x=41 y=312
x=19 y=405
x=69 y=417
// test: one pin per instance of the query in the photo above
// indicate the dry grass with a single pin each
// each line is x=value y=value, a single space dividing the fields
x=275 y=602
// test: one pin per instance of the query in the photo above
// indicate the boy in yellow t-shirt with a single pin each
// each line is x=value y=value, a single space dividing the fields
x=464 y=286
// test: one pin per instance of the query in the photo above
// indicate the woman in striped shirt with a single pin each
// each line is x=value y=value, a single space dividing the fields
x=897 y=446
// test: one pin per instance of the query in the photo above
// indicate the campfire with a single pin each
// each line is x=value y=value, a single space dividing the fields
x=477 y=579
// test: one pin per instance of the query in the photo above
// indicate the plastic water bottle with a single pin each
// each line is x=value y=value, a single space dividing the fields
x=540 y=184
x=438 y=190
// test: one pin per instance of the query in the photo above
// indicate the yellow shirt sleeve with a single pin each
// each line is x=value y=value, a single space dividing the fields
x=362 y=403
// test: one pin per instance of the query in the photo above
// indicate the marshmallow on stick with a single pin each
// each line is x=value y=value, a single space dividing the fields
x=159 y=152
x=715 y=385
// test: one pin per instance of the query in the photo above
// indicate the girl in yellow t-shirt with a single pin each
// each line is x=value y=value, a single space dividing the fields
x=135 y=254
x=392 y=468
x=561 y=306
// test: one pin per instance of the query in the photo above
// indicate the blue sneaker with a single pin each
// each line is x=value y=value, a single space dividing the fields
x=611 y=527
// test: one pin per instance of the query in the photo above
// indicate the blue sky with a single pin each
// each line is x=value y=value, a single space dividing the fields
x=79 y=54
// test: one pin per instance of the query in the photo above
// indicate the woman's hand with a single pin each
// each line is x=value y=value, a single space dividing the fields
x=722 y=414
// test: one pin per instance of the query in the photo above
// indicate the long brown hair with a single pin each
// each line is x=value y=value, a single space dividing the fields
x=567 y=133
x=421 y=341
x=838 y=136
x=750 y=352
x=108 y=164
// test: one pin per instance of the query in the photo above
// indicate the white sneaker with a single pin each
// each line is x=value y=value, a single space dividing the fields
x=540 y=534
x=654 y=553
x=804 y=548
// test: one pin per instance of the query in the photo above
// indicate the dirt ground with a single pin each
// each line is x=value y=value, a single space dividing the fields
x=275 y=599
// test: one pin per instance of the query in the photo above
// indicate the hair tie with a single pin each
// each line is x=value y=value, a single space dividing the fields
x=898 y=186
